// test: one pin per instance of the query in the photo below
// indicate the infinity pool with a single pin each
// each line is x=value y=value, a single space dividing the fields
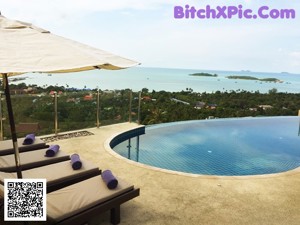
x=229 y=147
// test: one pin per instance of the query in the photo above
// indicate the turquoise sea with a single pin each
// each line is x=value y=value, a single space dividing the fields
x=164 y=79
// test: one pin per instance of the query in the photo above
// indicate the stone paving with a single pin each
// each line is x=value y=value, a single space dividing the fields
x=170 y=198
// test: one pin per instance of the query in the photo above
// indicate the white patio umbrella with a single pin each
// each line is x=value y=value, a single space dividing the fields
x=25 y=48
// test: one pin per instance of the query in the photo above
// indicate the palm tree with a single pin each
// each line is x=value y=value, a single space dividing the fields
x=157 y=116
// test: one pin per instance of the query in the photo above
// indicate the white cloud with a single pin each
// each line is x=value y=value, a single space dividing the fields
x=57 y=11
x=295 y=59
x=31 y=8
x=146 y=31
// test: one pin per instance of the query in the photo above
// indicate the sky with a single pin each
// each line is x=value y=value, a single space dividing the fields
x=146 y=31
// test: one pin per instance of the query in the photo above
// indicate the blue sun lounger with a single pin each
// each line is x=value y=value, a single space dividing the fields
x=6 y=147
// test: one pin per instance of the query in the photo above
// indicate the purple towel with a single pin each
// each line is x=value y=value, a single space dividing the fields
x=52 y=150
x=29 y=139
x=76 y=162
x=109 y=179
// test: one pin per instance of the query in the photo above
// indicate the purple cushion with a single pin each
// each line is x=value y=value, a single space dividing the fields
x=52 y=150
x=76 y=162
x=109 y=179
x=29 y=139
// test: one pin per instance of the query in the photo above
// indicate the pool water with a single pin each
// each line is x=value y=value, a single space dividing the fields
x=230 y=147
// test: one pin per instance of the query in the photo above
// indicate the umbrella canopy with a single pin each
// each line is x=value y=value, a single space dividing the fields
x=26 y=48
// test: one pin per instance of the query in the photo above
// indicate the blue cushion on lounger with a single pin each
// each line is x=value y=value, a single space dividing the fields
x=76 y=162
x=52 y=150
x=109 y=179
x=29 y=139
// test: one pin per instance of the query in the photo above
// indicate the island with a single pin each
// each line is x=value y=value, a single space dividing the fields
x=204 y=75
x=255 y=78
x=17 y=79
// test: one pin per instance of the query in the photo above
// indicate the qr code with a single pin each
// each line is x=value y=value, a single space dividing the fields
x=25 y=199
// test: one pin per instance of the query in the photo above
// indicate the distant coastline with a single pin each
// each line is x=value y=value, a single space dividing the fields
x=164 y=79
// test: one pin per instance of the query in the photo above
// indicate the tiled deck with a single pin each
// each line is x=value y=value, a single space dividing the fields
x=170 y=198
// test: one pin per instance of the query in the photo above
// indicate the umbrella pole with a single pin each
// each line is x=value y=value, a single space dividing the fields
x=12 y=124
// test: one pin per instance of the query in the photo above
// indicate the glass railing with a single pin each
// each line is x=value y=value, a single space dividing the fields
x=56 y=112
x=52 y=112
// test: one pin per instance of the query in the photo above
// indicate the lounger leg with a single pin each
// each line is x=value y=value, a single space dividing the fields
x=115 y=215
